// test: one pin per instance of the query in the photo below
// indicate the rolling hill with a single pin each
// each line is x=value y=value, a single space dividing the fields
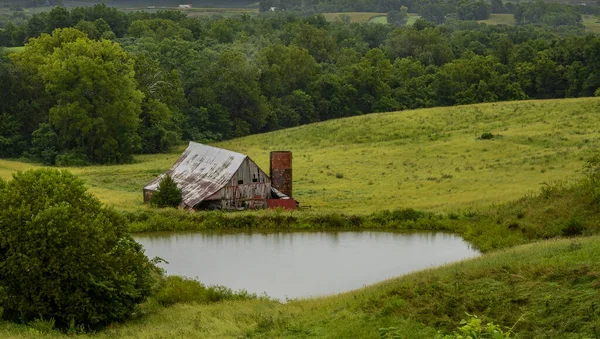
x=432 y=159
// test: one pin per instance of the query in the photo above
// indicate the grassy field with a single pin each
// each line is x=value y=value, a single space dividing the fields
x=591 y=23
x=542 y=290
x=499 y=19
x=432 y=158
x=429 y=159
x=354 y=16
x=14 y=49
x=382 y=19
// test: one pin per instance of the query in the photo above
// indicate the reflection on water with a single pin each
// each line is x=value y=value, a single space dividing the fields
x=302 y=264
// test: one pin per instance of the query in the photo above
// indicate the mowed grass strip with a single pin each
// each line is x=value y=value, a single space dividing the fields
x=431 y=159
x=354 y=16
x=382 y=19
x=545 y=290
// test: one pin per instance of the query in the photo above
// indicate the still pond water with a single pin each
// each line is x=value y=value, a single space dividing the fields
x=301 y=264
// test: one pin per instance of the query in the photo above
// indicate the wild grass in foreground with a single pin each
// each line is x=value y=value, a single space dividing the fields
x=429 y=159
x=548 y=289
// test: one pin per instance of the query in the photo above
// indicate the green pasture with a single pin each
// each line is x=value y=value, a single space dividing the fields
x=591 y=23
x=194 y=12
x=354 y=16
x=499 y=19
x=542 y=290
x=14 y=49
x=431 y=159
x=382 y=19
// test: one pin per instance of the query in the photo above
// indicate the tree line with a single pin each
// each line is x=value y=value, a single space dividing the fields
x=99 y=85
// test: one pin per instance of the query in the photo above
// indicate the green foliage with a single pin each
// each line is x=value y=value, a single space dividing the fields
x=65 y=257
x=96 y=103
x=398 y=17
x=44 y=145
x=473 y=329
x=175 y=289
x=573 y=228
x=11 y=141
x=389 y=333
x=486 y=136
x=167 y=194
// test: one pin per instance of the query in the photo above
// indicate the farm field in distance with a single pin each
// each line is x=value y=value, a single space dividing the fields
x=380 y=18
x=354 y=16
x=499 y=19
x=591 y=22
x=431 y=159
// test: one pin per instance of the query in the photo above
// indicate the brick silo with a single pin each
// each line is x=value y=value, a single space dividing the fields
x=280 y=171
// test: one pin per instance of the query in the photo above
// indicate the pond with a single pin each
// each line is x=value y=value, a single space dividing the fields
x=301 y=264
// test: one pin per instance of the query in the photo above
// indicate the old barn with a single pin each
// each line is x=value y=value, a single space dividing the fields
x=215 y=178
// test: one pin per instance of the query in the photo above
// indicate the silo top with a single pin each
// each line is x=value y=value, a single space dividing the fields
x=281 y=159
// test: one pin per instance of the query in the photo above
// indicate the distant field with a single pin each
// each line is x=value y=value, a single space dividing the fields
x=591 y=23
x=382 y=19
x=499 y=19
x=15 y=49
x=427 y=159
x=192 y=12
x=354 y=16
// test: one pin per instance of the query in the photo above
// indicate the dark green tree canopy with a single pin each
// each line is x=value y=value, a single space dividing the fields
x=96 y=104
x=63 y=256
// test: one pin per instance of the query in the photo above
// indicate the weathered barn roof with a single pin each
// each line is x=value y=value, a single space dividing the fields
x=201 y=171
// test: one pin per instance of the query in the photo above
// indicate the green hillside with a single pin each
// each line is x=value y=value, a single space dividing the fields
x=434 y=158
x=431 y=159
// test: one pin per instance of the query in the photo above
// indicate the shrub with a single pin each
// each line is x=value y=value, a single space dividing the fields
x=65 y=257
x=573 y=228
x=167 y=194
x=486 y=136
x=72 y=158
x=177 y=289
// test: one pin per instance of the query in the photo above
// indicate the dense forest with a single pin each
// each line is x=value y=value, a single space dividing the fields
x=97 y=85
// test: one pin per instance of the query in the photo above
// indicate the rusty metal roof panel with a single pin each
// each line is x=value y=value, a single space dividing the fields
x=201 y=171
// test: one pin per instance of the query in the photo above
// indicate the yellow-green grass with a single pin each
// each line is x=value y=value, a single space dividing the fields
x=15 y=49
x=382 y=19
x=591 y=23
x=432 y=158
x=428 y=159
x=118 y=185
x=549 y=289
x=499 y=19
x=354 y=16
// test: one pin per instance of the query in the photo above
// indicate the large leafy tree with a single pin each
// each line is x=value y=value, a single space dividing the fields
x=64 y=256
x=96 y=104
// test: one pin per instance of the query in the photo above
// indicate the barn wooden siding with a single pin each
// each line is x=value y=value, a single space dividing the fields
x=249 y=187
